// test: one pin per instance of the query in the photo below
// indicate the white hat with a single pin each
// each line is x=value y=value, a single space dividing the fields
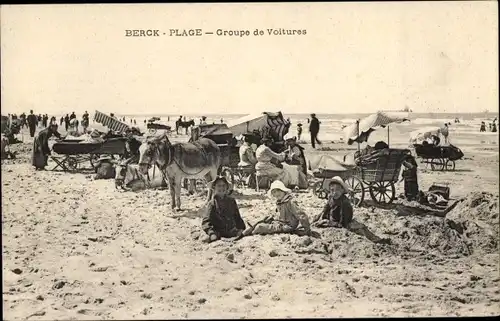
x=338 y=180
x=288 y=136
x=279 y=185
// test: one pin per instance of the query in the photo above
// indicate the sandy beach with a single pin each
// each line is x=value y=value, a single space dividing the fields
x=74 y=248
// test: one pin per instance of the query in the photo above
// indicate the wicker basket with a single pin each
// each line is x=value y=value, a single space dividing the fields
x=384 y=168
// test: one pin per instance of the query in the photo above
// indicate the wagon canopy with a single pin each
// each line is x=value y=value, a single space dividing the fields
x=423 y=133
x=274 y=123
x=219 y=133
x=110 y=122
x=368 y=124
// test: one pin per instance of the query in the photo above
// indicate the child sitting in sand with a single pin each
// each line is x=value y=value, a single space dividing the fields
x=222 y=217
x=290 y=215
x=338 y=211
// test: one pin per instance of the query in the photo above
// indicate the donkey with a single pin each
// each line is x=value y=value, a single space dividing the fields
x=199 y=159
x=184 y=124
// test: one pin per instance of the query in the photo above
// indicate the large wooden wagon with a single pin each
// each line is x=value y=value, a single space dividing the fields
x=376 y=173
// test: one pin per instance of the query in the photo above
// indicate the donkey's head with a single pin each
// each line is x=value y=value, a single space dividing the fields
x=155 y=150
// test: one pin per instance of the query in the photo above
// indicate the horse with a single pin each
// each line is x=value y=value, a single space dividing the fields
x=199 y=159
x=185 y=124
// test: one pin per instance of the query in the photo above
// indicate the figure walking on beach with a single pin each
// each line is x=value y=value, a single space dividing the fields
x=41 y=150
x=314 y=130
x=32 y=123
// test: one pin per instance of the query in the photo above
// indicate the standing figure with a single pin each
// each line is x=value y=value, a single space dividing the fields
x=61 y=121
x=72 y=116
x=41 y=150
x=445 y=132
x=66 y=122
x=483 y=127
x=314 y=130
x=32 y=121
x=299 y=130
x=410 y=178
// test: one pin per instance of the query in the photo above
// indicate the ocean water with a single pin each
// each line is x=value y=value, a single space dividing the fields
x=464 y=133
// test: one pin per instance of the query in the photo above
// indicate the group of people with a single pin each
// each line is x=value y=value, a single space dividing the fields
x=492 y=126
x=222 y=218
x=265 y=163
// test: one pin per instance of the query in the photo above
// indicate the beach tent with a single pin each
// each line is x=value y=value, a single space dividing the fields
x=423 y=133
x=361 y=129
x=274 y=122
x=110 y=122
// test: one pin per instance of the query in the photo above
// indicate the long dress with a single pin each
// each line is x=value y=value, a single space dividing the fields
x=41 y=150
x=265 y=168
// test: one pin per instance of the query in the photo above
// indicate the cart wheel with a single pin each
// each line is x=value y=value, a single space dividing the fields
x=436 y=164
x=382 y=192
x=94 y=160
x=319 y=191
x=357 y=195
x=72 y=163
x=450 y=165
x=228 y=174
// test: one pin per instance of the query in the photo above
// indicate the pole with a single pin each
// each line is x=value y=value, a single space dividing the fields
x=387 y=135
x=357 y=124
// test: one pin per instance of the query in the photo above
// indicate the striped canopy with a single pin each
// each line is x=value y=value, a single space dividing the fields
x=275 y=122
x=369 y=124
x=110 y=122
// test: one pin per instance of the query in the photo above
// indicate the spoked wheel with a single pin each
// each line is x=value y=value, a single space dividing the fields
x=450 y=165
x=72 y=163
x=382 y=192
x=357 y=193
x=228 y=174
x=437 y=164
x=319 y=191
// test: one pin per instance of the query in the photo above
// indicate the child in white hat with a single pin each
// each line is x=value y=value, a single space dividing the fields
x=338 y=211
x=289 y=214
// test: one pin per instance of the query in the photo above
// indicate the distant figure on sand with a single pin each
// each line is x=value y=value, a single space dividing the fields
x=299 y=130
x=32 y=123
x=483 y=127
x=41 y=150
x=314 y=130
x=445 y=132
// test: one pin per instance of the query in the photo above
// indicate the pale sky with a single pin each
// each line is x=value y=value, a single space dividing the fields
x=355 y=57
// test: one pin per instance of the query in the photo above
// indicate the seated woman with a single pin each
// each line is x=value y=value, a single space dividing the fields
x=289 y=214
x=295 y=153
x=222 y=217
x=247 y=157
x=265 y=167
x=295 y=158
x=41 y=150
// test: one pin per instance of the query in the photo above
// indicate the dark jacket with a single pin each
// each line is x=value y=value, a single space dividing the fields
x=338 y=210
x=314 y=125
x=222 y=217
x=32 y=120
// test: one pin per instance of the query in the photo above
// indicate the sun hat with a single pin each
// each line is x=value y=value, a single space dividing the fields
x=289 y=137
x=340 y=181
x=220 y=179
x=278 y=185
